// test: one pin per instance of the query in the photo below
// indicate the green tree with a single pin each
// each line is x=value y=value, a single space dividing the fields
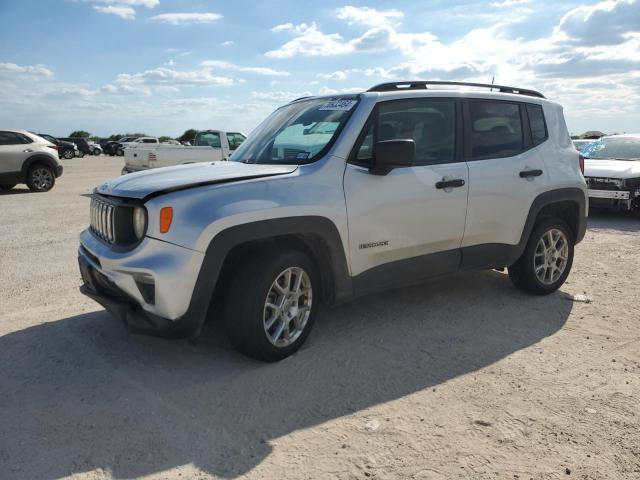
x=188 y=135
x=80 y=134
x=164 y=138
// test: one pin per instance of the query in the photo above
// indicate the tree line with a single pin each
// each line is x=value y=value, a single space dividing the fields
x=187 y=136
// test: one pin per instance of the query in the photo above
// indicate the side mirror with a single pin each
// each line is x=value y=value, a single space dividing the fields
x=390 y=154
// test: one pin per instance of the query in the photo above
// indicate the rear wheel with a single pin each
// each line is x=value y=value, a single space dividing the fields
x=68 y=154
x=119 y=152
x=41 y=178
x=96 y=151
x=271 y=305
x=80 y=154
x=547 y=259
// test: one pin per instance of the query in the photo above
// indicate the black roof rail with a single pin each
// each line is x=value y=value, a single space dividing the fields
x=301 y=98
x=423 y=85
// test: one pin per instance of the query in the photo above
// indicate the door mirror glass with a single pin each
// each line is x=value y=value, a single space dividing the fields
x=390 y=154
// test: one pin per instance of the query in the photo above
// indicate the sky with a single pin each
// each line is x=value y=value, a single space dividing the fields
x=163 y=66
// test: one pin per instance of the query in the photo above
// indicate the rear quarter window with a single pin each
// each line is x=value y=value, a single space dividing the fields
x=537 y=123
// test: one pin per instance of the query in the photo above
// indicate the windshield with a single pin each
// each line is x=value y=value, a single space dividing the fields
x=627 y=148
x=297 y=133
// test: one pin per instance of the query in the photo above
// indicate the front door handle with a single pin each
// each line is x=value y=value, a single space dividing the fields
x=458 y=182
x=530 y=173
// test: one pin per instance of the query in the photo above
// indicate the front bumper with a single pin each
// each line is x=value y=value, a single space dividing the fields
x=150 y=288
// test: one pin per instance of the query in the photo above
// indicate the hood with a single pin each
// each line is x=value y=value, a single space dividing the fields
x=612 y=168
x=169 y=179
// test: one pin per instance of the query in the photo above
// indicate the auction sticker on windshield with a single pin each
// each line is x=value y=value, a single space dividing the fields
x=338 y=104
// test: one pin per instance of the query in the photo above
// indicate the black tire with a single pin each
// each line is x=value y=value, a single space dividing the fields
x=68 y=154
x=246 y=298
x=7 y=187
x=523 y=272
x=80 y=154
x=119 y=152
x=41 y=178
x=96 y=152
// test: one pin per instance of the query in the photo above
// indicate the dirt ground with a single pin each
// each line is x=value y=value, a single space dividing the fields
x=461 y=378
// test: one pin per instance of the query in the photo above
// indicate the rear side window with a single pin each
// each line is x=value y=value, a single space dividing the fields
x=208 y=139
x=429 y=122
x=235 y=140
x=11 y=138
x=149 y=140
x=496 y=129
x=537 y=123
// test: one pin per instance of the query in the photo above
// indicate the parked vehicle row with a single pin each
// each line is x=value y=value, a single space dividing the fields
x=334 y=197
x=28 y=158
x=210 y=146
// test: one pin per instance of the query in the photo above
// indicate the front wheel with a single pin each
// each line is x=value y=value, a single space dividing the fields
x=547 y=259
x=271 y=305
x=96 y=152
x=68 y=154
x=80 y=154
x=119 y=152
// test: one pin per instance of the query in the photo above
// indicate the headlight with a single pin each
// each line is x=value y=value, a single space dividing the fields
x=139 y=221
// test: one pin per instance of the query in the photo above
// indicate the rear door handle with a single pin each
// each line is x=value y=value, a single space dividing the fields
x=530 y=173
x=458 y=182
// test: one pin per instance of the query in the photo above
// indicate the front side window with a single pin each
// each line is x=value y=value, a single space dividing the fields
x=621 y=148
x=149 y=140
x=208 y=139
x=429 y=122
x=496 y=129
x=235 y=140
x=297 y=133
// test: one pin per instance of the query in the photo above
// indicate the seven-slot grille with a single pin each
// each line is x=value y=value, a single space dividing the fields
x=102 y=219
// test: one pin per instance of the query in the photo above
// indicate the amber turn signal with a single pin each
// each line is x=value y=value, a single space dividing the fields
x=166 y=215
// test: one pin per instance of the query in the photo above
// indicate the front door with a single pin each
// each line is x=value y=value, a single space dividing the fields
x=408 y=224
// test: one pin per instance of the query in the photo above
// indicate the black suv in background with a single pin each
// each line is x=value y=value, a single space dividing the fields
x=83 y=145
x=66 y=149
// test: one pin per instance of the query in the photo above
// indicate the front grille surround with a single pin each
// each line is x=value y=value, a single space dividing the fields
x=111 y=220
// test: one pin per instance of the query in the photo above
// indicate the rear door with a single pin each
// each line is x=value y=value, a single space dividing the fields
x=506 y=170
x=408 y=224
x=14 y=149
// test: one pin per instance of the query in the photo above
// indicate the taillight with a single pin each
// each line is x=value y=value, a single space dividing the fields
x=55 y=147
x=581 y=161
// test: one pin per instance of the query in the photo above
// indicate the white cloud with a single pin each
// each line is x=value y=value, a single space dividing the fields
x=309 y=41
x=509 y=3
x=186 y=18
x=130 y=3
x=228 y=43
x=338 y=75
x=605 y=23
x=368 y=16
x=222 y=65
x=12 y=69
x=170 y=76
x=126 y=13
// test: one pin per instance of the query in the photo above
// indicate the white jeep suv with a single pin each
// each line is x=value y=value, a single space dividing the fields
x=336 y=197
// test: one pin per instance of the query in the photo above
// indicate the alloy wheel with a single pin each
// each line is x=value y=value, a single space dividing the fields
x=551 y=256
x=42 y=178
x=288 y=306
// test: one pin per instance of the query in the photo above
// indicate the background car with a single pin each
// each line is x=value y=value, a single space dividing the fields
x=612 y=172
x=580 y=143
x=28 y=158
x=66 y=150
x=95 y=148
x=81 y=143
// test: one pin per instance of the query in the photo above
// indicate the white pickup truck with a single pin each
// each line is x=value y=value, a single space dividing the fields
x=210 y=146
